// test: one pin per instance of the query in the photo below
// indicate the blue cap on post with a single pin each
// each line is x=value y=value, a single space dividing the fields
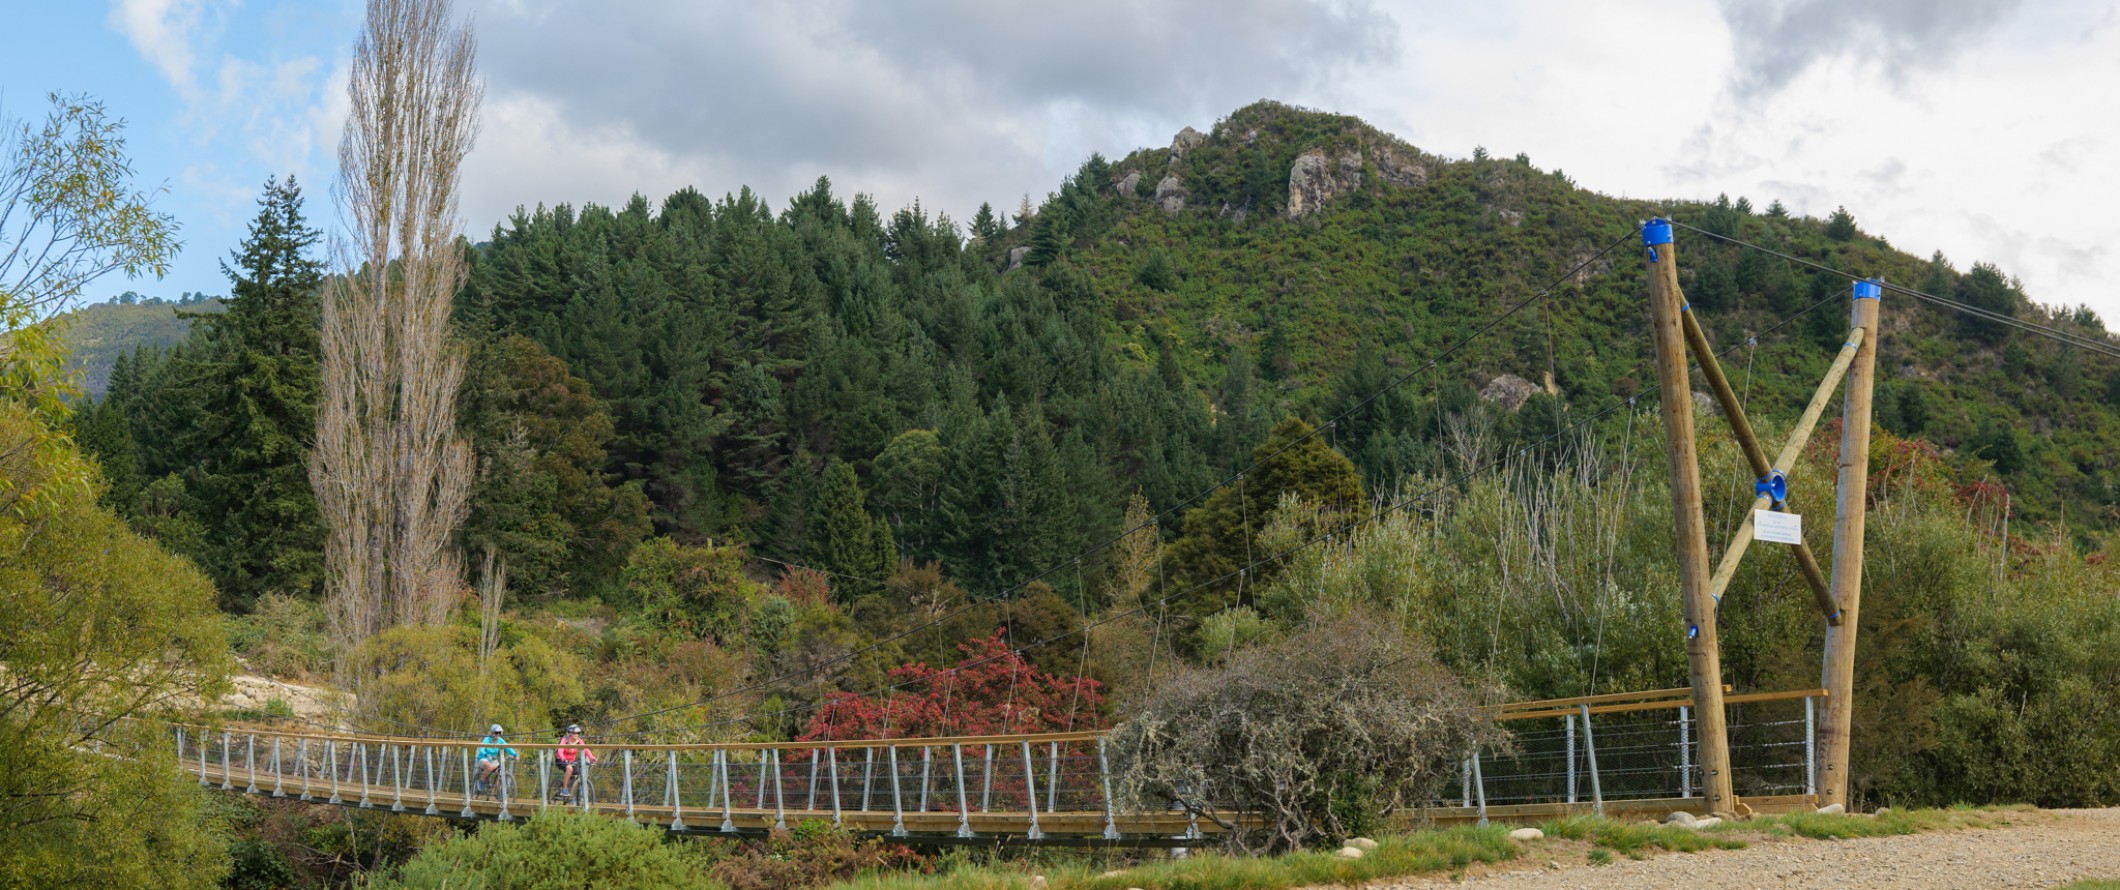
x=1868 y=289
x=1656 y=231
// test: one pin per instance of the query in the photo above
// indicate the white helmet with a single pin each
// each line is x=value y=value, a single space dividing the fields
x=495 y=729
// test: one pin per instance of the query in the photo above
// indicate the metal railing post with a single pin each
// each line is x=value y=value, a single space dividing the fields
x=544 y=781
x=832 y=765
x=760 y=804
x=467 y=811
x=728 y=816
x=897 y=805
x=250 y=761
x=986 y=780
x=809 y=803
x=1030 y=792
x=677 y=804
x=1465 y=782
x=1597 y=790
x=503 y=778
x=1810 y=746
x=366 y=782
x=278 y=778
x=301 y=763
x=1052 y=776
x=1569 y=721
x=433 y=782
x=964 y=816
x=925 y=763
x=397 y=778
x=228 y=776
x=625 y=786
x=1685 y=752
x=202 y=762
x=1104 y=770
x=1479 y=784
x=780 y=798
x=331 y=765
x=868 y=773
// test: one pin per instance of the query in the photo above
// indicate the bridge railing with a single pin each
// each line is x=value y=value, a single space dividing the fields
x=1027 y=785
x=1638 y=747
x=1563 y=755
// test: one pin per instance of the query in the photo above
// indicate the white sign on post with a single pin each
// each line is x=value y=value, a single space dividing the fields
x=1780 y=528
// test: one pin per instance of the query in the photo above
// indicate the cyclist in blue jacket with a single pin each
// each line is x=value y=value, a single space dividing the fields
x=493 y=748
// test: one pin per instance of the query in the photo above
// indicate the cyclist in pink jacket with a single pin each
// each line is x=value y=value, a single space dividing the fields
x=573 y=759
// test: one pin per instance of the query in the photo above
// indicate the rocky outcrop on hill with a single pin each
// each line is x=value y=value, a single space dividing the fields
x=1126 y=186
x=1508 y=391
x=1170 y=194
x=1314 y=179
x=1186 y=140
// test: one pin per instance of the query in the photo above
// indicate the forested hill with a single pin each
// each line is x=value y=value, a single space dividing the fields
x=997 y=389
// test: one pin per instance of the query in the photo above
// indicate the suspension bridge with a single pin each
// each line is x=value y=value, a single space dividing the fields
x=1616 y=754
x=1700 y=748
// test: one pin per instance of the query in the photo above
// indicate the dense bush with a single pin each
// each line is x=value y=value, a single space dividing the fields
x=813 y=854
x=434 y=677
x=556 y=851
x=1324 y=733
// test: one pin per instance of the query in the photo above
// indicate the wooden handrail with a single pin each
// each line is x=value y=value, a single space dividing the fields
x=1605 y=698
x=1671 y=704
x=1607 y=703
x=855 y=744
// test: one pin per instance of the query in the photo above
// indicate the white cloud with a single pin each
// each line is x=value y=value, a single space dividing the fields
x=263 y=111
x=165 y=32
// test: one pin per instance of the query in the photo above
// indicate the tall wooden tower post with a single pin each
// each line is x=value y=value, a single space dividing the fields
x=1667 y=307
x=1839 y=679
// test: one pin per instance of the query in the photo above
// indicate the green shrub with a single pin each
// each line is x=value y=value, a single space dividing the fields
x=557 y=851
x=283 y=636
x=813 y=854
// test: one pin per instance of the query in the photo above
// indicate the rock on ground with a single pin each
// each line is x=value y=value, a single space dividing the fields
x=1526 y=834
x=2037 y=850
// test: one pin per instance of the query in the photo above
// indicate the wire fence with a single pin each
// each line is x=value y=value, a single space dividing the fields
x=1634 y=753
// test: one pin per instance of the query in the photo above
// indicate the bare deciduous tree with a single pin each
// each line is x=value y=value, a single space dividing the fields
x=391 y=474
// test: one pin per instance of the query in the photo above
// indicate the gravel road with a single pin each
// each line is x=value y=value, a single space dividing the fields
x=2042 y=850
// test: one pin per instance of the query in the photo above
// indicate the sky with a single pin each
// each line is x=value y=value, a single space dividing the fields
x=1987 y=129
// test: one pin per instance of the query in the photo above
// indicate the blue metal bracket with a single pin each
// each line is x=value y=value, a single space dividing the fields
x=1775 y=485
x=1868 y=289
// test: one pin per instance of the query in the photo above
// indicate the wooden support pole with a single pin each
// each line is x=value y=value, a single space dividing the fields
x=1755 y=454
x=1727 y=568
x=1839 y=674
x=1690 y=529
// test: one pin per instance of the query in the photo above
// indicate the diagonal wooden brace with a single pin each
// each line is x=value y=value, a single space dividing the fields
x=1789 y=453
x=1756 y=456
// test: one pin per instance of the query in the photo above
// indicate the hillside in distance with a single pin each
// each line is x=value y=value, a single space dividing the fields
x=1323 y=249
x=96 y=334
x=1000 y=393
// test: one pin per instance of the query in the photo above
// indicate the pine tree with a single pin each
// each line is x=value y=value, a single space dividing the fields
x=1985 y=288
x=254 y=370
x=1841 y=225
x=843 y=538
x=1218 y=539
x=984 y=226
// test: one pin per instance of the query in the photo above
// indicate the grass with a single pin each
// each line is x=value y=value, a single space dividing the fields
x=1896 y=822
x=2093 y=885
x=1448 y=850
x=1634 y=840
x=1425 y=852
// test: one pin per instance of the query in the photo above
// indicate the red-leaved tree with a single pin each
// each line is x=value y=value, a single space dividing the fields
x=992 y=691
